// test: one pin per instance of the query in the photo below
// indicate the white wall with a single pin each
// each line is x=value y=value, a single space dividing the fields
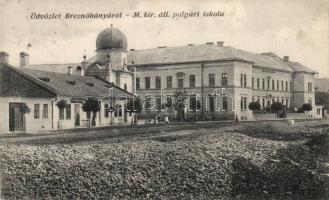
x=31 y=123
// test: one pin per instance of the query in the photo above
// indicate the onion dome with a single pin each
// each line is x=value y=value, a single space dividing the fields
x=111 y=38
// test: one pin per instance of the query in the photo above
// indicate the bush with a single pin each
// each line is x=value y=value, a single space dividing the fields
x=254 y=106
x=306 y=107
x=276 y=107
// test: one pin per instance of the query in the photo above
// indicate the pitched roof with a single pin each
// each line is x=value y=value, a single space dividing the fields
x=297 y=67
x=206 y=52
x=198 y=53
x=59 y=68
x=74 y=86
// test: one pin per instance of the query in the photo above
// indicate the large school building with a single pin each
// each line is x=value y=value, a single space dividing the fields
x=212 y=80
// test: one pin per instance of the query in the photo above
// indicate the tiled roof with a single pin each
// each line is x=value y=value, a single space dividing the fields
x=75 y=86
x=206 y=52
x=297 y=67
x=59 y=68
x=198 y=53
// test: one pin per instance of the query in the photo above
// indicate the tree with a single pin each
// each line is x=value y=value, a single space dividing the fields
x=306 y=107
x=91 y=105
x=134 y=105
x=276 y=107
x=61 y=104
x=254 y=106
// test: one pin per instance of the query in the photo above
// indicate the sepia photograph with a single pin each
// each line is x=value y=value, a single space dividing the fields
x=150 y=99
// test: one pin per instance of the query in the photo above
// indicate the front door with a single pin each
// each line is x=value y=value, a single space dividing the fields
x=16 y=117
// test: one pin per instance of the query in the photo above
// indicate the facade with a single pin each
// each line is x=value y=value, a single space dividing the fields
x=227 y=78
x=211 y=81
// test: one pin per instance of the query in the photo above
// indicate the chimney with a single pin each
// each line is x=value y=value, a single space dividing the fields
x=220 y=43
x=24 y=59
x=4 y=57
x=209 y=43
x=286 y=58
x=69 y=70
x=189 y=45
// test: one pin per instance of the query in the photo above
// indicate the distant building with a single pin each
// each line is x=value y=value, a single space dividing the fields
x=322 y=84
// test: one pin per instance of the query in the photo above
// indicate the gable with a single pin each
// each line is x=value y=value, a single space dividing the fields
x=15 y=84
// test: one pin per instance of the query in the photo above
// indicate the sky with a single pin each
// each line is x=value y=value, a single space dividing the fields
x=295 y=28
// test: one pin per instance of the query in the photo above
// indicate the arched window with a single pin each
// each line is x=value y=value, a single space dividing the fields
x=125 y=86
x=79 y=68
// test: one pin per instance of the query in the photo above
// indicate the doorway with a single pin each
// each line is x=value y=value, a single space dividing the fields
x=16 y=117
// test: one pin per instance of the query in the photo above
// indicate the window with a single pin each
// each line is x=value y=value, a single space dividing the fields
x=36 y=111
x=192 y=80
x=243 y=104
x=147 y=82
x=268 y=83
x=169 y=103
x=106 y=110
x=158 y=82
x=68 y=111
x=263 y=84
x=137 y=83
x=286 y=85
x=309 y=87
x=282 y=85
x=158 y=104
x=212 y=103
x=125 y=86
x=290 y=86
x=225 y=103
x=169 y=81
x=61 y=113
x=120 y=110
x=211 y=80
x=253 y=82
x=148 y=103
x=224 y=79
x=243 y=80
x=257 y=83
x=180 y=82
x=45 y=111
x=253 y=99
x=273 y=85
